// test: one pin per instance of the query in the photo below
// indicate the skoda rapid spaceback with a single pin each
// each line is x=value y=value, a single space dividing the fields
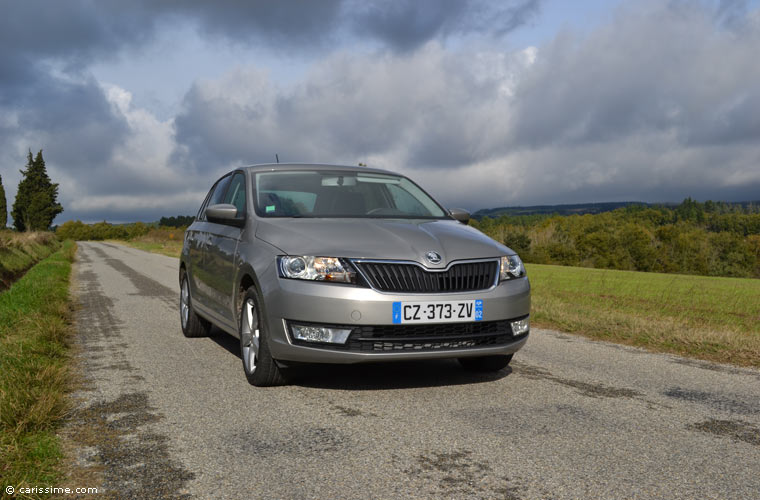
x=335 y=264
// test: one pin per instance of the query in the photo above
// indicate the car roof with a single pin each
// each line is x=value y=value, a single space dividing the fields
x=283 y=167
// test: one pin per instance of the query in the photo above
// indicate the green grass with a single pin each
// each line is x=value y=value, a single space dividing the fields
x=34 y=375
x=704 y=317
x=166 y=241
x=19 y=251
x=170 y=248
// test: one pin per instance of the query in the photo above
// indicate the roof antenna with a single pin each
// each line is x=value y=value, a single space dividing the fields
x=277 y=157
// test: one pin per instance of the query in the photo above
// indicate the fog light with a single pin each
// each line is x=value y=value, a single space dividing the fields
x=320 y=334
x=520 y=327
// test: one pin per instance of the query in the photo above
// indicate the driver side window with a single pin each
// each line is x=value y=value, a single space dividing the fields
x=236 y=193
x=214 y=196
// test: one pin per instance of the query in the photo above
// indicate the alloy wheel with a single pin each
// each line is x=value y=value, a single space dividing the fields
x=184 y=304
x=249 y=336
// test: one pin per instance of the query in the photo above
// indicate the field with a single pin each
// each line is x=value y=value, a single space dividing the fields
x=709 y=318
x=166 y=241
x=34 y=331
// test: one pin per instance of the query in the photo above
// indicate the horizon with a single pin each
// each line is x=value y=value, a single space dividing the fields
x=668 y=204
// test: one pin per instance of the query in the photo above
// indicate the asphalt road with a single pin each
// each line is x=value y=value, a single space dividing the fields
x=160 y=415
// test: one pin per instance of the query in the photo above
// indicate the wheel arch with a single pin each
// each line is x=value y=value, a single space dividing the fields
x=182 y=267
x=246 y=279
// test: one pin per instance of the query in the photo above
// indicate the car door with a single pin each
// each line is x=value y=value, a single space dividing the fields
x=222 y=249
x=193 y=245
x=202 y=271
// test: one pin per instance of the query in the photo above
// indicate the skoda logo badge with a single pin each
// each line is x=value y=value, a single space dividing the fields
x=433 y=257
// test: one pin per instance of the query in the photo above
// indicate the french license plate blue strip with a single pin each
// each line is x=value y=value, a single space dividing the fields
x=396 y=312
x=478 y=310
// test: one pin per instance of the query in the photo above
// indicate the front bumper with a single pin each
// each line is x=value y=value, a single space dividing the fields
x=363 y=308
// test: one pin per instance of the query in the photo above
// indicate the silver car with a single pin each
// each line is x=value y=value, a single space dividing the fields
x=335 y=264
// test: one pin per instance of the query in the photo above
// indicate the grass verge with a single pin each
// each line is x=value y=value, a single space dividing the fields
x=34 y=331
x=171 y=249
x=165 y=241
x=717 y=319
x=19 y=251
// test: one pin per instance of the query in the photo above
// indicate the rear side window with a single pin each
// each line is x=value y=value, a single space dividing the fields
x=236 y=193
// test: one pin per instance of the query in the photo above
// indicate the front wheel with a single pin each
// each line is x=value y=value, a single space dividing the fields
x=486 y=363
x=259 y=367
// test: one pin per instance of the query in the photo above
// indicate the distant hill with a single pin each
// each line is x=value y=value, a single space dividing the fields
x=579 y=209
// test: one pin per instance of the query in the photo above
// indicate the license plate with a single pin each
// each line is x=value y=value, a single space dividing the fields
x=443 y=311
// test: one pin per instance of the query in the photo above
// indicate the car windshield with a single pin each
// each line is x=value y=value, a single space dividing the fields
x=319 y=193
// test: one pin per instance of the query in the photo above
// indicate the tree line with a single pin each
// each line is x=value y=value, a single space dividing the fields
x=36 y=202
x=710 y=238
x=79 y=231
x=178 y=221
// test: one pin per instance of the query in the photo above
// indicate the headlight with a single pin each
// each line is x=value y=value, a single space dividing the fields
x=511 y=268
x=308 y=267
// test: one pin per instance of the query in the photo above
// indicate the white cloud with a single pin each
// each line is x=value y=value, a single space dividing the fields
x=635 y=110
x=139 y=177
x=659 y=103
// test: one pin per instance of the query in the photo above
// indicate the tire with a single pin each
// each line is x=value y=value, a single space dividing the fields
x=193 y=326
x=259 y=367
x=486 y=363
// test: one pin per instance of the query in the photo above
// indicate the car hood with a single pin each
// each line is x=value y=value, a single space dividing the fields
x=397 y=239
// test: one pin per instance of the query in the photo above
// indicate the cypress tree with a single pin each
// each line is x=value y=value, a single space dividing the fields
x=3 y=206
x=36 y=202
x=22 y=196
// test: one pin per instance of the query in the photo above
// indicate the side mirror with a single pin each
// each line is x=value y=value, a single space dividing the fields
x=460 y=214
x=224 y=213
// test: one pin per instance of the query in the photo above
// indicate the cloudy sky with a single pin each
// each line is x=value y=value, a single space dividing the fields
x=139 y=106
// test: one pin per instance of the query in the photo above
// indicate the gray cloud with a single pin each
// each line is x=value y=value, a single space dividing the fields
x=71 y=33
x=302 y=23
x=430 y=108
x=406 y=25
x=732 y=13
x=49 y=100
x=398 y=24
x=660 y=104
x=78 y=31
x=671 y=69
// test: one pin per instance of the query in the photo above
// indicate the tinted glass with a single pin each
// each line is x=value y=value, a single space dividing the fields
x=236 y=193
x=219 y=191
x=202 y=211
x=310 y=193
x=216 y=192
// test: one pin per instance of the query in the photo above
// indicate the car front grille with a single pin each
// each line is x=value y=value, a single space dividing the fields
x=411 y=278
x=422 y=337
